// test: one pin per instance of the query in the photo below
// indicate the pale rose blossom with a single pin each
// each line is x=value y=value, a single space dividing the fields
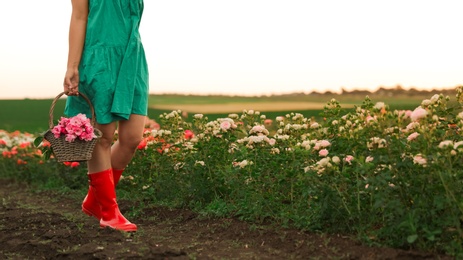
x=370 y=118
x=412 y=126
x=323 y=153
x=435 y=98
x=306 y=144
x=369 y=159
x=324 y=162
x=233 y=116
x=242 y=164
x=457 y=144
x=426 y=102
x=336 y=159
x=256 y=139
x=408 y=113
x=199 y=163
x=225 y=125
x=376 y=142
x=419 y=159
x=379 y=105
x=418 y=114
x=257 y=129
x=404 y=114
x=445 y=143
x=271 y=141
x=413 y=136
x=324 y=143
x=283 y=137
x=349 y=159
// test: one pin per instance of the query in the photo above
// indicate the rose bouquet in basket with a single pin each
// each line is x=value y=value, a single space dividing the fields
x=75 y=128
x=72 y=139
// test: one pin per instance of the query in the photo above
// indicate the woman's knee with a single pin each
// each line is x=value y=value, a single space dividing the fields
x=105 y=142
x=130 y=142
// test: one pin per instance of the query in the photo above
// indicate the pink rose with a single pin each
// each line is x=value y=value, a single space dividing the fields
x=324 y=143
x=225 y=125
x=268 y=122
x=370 y=118
x=348 y=159
x=412 y=136
x=418 y=114
x=271 y=141
x=323 y=152
x=257 y=129
x=188 y=134
x=419 y=159
x=70 y=137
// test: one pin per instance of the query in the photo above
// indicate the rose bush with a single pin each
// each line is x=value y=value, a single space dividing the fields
x=389 y=177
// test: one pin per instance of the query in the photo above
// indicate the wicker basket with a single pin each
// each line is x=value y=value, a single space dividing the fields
x=76 y=151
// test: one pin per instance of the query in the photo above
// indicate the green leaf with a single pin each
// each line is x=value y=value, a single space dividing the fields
x=38 y=141
x=47 y=154
x=412 y=238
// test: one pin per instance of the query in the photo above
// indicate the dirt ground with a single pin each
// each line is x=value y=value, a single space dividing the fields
x=46 y=225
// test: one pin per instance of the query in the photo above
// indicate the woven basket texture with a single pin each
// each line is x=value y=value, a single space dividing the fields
x=76 y=151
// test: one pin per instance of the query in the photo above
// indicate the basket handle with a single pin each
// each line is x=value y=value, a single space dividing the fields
x=50 y=120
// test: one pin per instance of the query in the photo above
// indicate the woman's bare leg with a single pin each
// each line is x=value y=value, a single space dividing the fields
x=101 y=156
x=130 y=135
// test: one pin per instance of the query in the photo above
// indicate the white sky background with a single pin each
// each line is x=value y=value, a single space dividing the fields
x=252 y=47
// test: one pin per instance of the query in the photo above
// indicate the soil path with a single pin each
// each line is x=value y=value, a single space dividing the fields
x=47 y=225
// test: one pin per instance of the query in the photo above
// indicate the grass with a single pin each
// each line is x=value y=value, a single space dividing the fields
x=32 y=115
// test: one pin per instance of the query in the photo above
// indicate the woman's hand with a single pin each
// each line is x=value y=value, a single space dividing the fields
x=71 y=82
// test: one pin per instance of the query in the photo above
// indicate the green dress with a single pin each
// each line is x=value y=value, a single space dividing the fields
x=113 y=70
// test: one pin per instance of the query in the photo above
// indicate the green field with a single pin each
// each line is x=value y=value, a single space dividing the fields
x=32 y=115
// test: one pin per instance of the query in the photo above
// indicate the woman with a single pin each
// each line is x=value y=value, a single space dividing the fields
x=106 y=62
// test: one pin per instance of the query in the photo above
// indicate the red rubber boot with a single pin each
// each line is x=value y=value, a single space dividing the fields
x=103 y=189
x=117 y=176
x=90 y=206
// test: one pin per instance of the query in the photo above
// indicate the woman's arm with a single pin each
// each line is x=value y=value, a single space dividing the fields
x=77 y=31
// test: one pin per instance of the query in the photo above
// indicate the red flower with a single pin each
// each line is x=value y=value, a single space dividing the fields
x=74 y=164
x=6 y=154
x=19 y=162
x=142 y=145
x=25 y=144
x=188 y=134
x=2 y=142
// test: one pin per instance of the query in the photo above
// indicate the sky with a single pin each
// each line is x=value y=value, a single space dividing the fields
x=252 y=47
